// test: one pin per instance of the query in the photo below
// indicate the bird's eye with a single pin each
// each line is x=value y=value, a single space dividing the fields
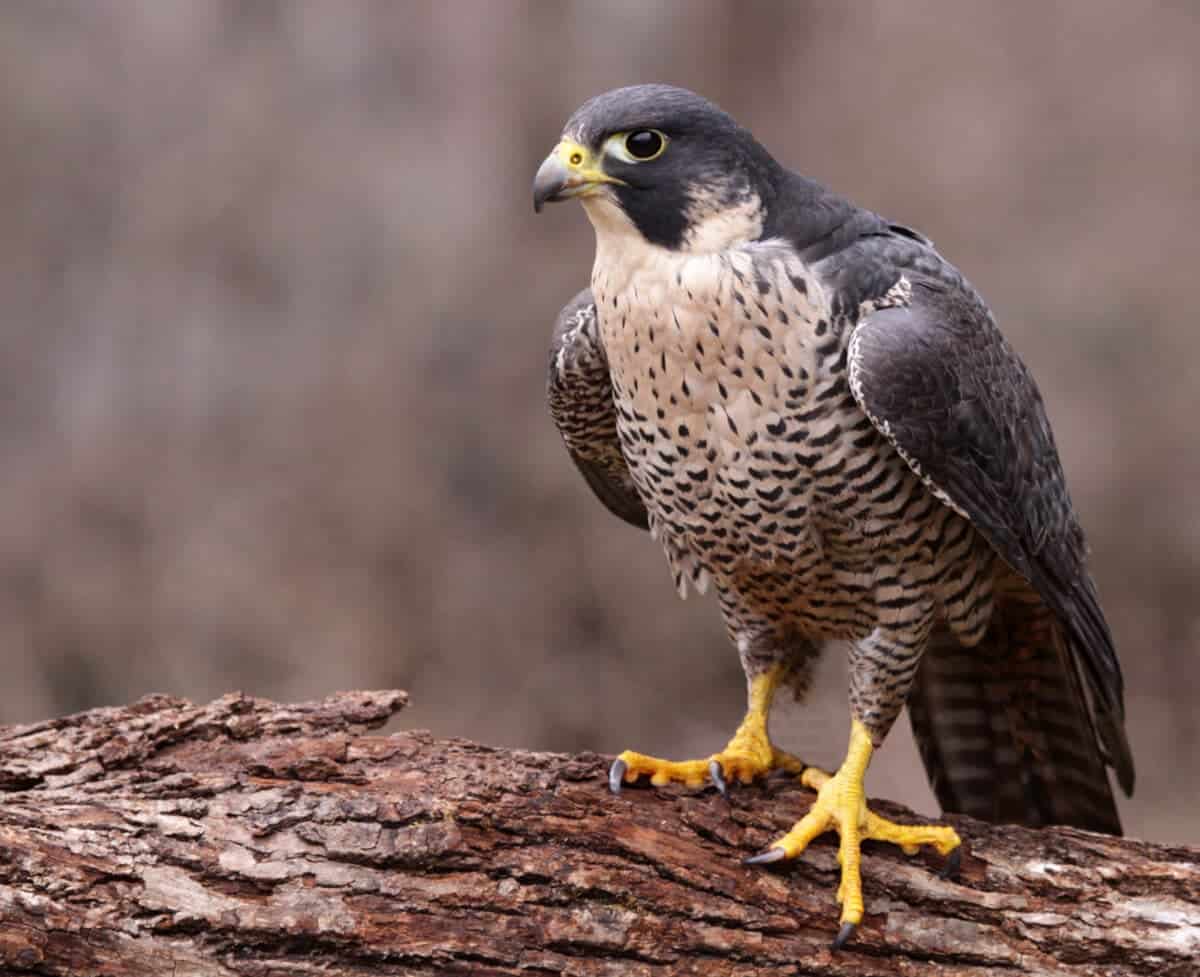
x=645 y=144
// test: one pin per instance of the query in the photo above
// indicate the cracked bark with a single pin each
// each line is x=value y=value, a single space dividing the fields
x=249 y=838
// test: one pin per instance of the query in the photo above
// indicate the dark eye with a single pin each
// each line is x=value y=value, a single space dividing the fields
x=645 y=144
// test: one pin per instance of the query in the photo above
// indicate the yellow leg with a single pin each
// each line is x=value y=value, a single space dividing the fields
x=748 y=754
x=841 y=805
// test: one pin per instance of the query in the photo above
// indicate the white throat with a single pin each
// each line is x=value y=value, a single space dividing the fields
x=621 y=250
x=714 y=226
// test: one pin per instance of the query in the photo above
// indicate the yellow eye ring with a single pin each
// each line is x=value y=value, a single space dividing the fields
x=643 y=145
x=576 y=158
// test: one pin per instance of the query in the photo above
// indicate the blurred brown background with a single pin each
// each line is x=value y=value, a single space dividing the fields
x=275 y=312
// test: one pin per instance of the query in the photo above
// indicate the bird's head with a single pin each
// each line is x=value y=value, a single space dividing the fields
x=662 y=162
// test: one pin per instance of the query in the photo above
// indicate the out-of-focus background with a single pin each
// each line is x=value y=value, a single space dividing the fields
x=275 y=313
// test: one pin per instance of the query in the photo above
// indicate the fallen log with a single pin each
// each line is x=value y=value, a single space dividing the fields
x=254 y=839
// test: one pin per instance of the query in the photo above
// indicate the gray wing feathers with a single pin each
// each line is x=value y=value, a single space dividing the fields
x=941 y=383
x=579 y=395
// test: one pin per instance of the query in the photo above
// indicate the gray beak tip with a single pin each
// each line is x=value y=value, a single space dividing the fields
x=551 y=178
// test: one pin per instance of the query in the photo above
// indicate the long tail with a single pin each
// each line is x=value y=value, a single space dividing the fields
x=1004 y=729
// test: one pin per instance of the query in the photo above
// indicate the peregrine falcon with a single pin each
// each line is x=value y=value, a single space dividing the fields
x=815 y=413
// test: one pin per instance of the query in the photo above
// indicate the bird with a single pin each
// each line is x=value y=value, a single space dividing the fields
x=816 y=414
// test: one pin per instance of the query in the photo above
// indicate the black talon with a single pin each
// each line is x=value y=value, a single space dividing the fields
x=616 y=774
x=772 y=854
x=718 y=778
x=953 y=863
x=843 y=936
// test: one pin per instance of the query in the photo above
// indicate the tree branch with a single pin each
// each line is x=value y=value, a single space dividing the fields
x=253 y=839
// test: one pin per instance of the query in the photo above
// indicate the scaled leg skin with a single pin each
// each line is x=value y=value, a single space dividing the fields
x=876 y=694
x=747 y=755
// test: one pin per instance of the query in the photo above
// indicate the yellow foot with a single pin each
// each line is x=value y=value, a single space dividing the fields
x=748 y=755
x=739 y=761
x=841 y=806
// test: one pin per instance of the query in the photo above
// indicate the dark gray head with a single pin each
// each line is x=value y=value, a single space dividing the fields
x=672 y=162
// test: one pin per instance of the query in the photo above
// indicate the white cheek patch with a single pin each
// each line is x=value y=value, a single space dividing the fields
x=715 y=223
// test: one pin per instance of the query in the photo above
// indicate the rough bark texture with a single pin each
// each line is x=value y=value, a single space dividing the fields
x=249 y=838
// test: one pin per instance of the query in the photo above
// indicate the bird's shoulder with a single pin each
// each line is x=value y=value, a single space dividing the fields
x=858 y=254
x=579 y=398
x=575 y=334
x=578 y=391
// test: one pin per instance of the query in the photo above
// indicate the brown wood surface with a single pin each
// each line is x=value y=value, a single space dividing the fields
x=249 y=838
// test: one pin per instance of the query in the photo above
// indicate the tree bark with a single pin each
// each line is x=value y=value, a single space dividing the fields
x=261 y=840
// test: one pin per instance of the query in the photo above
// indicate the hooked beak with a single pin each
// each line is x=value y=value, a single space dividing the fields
x=570 y=170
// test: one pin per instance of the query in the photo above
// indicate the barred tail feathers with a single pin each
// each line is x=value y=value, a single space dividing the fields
x=1003 y=728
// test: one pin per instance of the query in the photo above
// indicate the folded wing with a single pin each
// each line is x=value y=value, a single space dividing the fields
x=941 y=383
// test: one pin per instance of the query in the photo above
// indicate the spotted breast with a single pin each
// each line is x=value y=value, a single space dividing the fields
x=736 y=418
